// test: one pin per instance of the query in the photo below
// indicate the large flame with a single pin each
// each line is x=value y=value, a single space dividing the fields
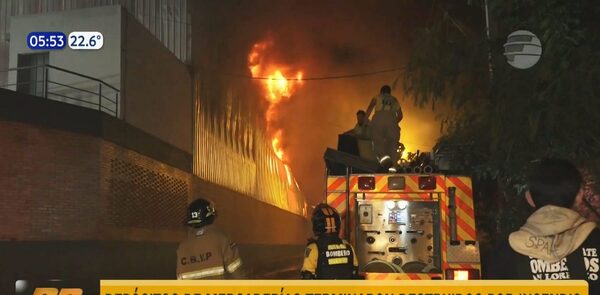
x=254 y=58
x=276 y=142
x=278 y=88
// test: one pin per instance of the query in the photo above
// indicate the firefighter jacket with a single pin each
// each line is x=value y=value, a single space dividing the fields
x=386 y=107
x=363 y=131
x=329 y=257
x=208 y=254
x=556 y=243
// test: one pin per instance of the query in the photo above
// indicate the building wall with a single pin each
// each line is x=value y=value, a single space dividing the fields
x=3 y=63
x=169 y=21
x=58 y=185
x=83 y=197
x=232 y=147
x=157 y=87
x=103 y=64
x=48 y=184
x=251 y=222
x=229 y=145
x=65 y=181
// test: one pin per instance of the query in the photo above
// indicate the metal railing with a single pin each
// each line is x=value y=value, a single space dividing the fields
x=58 y=84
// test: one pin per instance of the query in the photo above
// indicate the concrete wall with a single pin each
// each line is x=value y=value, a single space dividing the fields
x=103 y=64
x=168 y=21
x=250 y=221
x=157 y=87
x=3 y=62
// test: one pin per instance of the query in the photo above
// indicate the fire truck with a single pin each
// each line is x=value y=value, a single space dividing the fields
x=410 y=225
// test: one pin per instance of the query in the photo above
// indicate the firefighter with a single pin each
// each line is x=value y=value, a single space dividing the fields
x=384 y=127
x=327 y=256
x=362 y=129
x=208 y=253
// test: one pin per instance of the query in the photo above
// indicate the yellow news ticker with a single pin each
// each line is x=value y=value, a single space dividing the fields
x=316 y=287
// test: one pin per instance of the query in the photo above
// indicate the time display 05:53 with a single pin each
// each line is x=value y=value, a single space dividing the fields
x=46 y=40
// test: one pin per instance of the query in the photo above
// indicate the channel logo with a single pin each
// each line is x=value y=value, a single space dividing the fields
x=49 y=287
x=54 y=291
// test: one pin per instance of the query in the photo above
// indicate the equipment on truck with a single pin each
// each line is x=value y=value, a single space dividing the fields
x=407 y=225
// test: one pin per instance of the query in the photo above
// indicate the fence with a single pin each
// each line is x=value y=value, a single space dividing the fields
x=60 y=84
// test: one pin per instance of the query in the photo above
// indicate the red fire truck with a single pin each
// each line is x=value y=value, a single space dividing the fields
x=404 y=226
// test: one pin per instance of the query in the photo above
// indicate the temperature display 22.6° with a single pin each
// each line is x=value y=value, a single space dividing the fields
x=86 y=40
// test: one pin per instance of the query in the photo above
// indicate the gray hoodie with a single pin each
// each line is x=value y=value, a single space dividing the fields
x=551 y=233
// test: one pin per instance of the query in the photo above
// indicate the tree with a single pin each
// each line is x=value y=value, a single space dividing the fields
x=512 y=116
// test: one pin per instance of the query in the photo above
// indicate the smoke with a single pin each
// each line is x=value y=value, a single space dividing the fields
x=329 y=38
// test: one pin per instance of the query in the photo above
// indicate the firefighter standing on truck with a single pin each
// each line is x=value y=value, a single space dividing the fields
x=208 y=253
x=384 y=126
x=327 y=256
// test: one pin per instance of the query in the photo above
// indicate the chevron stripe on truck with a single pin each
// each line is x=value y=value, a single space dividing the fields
x=409 y=226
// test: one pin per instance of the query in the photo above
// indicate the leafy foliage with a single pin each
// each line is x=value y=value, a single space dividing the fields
x=512 y=116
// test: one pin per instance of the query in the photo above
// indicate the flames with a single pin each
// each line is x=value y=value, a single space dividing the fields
x=278 y=89
x=276 y=143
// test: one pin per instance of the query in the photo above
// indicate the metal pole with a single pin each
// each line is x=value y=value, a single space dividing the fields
x=487 y=27
x=452 y=217
x=347 y=203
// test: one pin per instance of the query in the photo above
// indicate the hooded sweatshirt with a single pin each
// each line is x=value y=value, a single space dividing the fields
x=551 y=233
x=555 y=243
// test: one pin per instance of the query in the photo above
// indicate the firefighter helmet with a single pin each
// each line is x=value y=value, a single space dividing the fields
x=201 y=212
x=325 y=220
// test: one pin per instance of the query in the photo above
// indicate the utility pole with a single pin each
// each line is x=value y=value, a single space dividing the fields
x=487 y=27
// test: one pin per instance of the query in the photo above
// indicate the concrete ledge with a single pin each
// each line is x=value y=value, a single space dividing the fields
x=20 y=107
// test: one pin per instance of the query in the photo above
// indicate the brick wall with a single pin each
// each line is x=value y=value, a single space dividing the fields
x=48 y=183
x=76 y=205
x=60 y=185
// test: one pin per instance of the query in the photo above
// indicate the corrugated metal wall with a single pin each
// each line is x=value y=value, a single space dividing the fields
x=232 y=150
x=168 y=20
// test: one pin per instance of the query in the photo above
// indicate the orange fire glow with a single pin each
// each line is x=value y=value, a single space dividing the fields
x=254 y=58
x=278 y=88
x=288 y=173
x=276 y=142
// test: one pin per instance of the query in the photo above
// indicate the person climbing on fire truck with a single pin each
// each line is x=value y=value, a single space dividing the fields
x=362 y=129
x=208 y=253
x=384 y=127
x=327 y=256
